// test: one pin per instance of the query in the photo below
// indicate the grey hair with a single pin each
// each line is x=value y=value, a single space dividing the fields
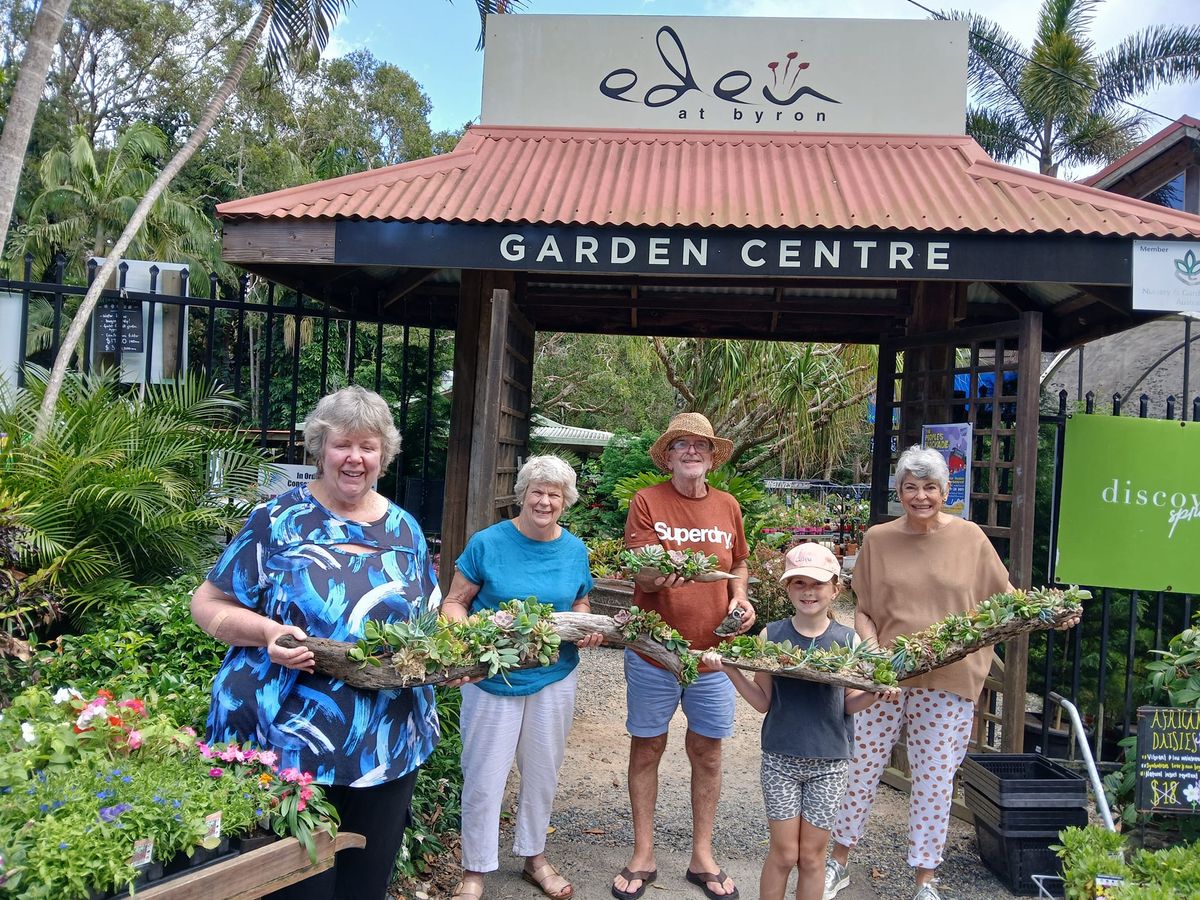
x=923 y=463
x=352 y=409
x=548 y=469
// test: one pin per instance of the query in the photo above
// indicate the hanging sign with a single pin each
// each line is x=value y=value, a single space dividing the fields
x=119 y=325
x=712 y=73
x=953 y=441
x=1130 y=511
x=1166 y=275
x=283 y=477
x=1168 y=760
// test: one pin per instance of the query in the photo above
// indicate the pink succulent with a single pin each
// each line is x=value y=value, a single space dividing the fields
x=622 y=616
x=503 y=619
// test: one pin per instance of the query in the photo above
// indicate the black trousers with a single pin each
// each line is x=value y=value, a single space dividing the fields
x=380 y=814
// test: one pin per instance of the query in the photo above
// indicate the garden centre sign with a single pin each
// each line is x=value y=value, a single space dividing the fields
x=1130 y=514
x=712 y=73
x=744 y=252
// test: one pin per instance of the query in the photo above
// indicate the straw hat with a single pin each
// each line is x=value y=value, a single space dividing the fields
x=691 y=425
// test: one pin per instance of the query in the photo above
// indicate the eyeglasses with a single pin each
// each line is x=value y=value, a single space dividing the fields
x=701 y=445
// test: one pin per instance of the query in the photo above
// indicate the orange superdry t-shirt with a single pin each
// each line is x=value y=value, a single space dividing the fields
x=711 y=524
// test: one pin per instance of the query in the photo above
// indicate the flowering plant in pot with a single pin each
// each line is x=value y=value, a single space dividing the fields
x=94 y=791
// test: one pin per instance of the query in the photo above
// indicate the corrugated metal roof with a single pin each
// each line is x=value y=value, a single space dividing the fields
x=718 y=179
x=550 y=432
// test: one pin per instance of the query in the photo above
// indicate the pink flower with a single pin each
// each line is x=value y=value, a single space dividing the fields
x=136 y=705
x=289 y=774
x=306 y=794
x=134 y=739
x=188 y=730
x=216 y=772
x=205 y=750
x=268 y=757
x=231 y=754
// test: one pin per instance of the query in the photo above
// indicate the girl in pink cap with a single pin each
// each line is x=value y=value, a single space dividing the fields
x=808 y=731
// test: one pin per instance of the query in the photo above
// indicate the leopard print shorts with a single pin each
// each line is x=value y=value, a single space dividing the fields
x=812 y=788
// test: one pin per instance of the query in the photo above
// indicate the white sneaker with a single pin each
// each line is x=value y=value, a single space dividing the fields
x=927 y=892
x=837 y=877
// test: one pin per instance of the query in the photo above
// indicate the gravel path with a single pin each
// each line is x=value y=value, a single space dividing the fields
x=591 y=833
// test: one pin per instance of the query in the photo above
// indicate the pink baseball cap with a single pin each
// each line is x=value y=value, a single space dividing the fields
x=814 y=560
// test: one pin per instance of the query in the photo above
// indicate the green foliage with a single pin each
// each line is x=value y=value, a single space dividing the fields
x=635 y=622
x=144 y=644
x=598 y=513
x=119 y=492
x=604 y=557
x=436 y=803
x=1164 y=874
x=1174 y=680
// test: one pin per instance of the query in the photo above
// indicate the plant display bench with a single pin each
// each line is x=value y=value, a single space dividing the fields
x=252 y=874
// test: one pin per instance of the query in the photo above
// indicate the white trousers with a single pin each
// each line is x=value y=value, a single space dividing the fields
x=938 y=724
x=532 y=730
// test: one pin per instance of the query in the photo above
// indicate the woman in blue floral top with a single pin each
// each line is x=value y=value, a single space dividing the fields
x=320 y=560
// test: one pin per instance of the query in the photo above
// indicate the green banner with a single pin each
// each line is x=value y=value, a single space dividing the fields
x=1130 y=514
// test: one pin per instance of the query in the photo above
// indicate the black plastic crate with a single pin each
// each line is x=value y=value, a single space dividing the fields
x=1039 y=818
x=1023 y=780
x=1016 y=856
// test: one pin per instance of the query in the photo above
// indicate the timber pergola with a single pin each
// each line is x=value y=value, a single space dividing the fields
x=950 y=263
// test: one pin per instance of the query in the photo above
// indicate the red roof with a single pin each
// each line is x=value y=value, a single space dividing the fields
x=1146 y=148
x=720 y=179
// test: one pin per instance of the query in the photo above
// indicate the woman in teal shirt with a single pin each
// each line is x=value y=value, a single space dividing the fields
x=523 y=715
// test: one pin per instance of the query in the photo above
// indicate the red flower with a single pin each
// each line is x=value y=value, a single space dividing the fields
x=105 y=694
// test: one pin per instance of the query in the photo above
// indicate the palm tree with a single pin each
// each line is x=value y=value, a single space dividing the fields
x=86 y=199
x=296 y=29
x=794 y=404
x=22 y=108
x=1061 y=101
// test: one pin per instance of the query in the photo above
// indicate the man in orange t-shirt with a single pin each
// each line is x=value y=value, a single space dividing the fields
x=683 y=513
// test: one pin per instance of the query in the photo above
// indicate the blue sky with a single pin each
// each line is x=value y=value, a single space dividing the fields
x=434 y=40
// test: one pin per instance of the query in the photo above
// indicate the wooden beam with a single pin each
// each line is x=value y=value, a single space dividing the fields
x=1020 y=545
x=278 y=242
x=881 y=455
x=403 y=285
x=1117 y=298
x=1017 y=297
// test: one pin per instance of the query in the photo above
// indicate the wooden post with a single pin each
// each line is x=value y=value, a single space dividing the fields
x=1020 y=547
x=881 y=455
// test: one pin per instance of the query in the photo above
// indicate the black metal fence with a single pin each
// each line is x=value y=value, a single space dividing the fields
x=277 y=349
x=1099 y=665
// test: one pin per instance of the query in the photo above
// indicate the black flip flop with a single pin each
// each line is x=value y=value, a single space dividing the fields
x=701 y=880
x=646 y=878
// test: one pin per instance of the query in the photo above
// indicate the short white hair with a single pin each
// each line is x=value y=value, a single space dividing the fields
x=923 y=464
x=351 y=410
x=548 y=469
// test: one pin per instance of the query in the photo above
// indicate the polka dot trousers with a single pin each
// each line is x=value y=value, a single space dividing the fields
x=939 y=730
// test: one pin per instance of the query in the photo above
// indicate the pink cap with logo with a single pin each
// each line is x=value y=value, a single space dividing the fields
x=814 y=560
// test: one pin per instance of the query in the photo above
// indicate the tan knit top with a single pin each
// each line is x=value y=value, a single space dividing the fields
x=905 y=582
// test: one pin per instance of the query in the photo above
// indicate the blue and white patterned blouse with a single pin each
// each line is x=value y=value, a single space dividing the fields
x=284 y=565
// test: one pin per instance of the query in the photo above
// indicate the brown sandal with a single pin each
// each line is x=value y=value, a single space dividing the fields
x=538 y=879
x=646 y=878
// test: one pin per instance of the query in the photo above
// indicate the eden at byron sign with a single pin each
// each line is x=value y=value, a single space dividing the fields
x=726 y=74
x=1130 y=515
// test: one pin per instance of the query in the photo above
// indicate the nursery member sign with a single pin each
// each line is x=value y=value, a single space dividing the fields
x=1130 y=514
x=1168 y=752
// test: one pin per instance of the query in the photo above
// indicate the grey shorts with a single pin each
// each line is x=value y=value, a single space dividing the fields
x=812 y=788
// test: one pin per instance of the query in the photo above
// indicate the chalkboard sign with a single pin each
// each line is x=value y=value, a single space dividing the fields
x=1168 y=767
x=129 y=315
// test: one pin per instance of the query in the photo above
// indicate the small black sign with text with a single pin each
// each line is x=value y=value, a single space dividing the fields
x=119 y=324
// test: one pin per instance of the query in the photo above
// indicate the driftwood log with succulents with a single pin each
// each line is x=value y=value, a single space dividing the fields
x=688 y=564
x=521 y=634
x=525 y=633
x=999 y=618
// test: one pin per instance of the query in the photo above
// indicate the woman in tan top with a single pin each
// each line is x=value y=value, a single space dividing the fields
x=912 y=572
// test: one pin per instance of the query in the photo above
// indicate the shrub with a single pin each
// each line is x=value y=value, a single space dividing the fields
x=121 y=489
